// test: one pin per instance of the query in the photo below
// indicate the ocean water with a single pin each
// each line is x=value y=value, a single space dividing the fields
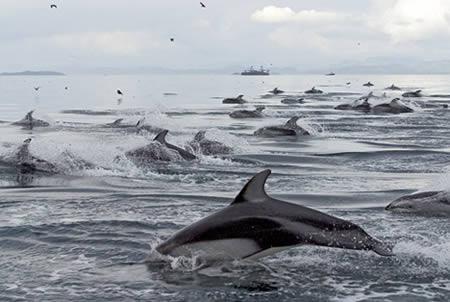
x=89 y=233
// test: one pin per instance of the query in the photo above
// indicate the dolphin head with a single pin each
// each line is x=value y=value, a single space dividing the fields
x=415 y=202
x=401 y=205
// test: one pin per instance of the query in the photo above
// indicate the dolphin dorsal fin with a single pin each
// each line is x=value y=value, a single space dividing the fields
x=419 y=91
x=239 y=97
x=29 y=116
x=140 y=123
x=200 y=135
x=292 y=123
x=118 y=121
x=161 y=137
x=253 y=191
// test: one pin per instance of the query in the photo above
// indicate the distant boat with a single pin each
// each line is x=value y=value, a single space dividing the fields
x=330 y=74
x=252 y=71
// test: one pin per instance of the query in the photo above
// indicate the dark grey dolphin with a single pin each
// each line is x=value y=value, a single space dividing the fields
x=256 y=225
x=161 y=138
x=361 y=104
x=138 y=127
x=248 y=113
x=118 y=124
x=413 y=94
x=363 y=107
x=201 y=144
x=157 y=151
x=292 y=101
x=237 y=100
x=394 y=107
x=290 y=128
x=314 y=91
x=276 y=91
x=433 y=203
x=29 y=122
x=27 y=163
x=392 y=87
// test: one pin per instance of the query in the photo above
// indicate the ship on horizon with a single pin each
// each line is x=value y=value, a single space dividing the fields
x=252 y=71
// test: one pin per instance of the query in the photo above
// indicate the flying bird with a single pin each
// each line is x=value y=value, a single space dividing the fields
x=201 y=3
x=53 y=6
x=172 y=39
x=119 y=92
x=36 y=88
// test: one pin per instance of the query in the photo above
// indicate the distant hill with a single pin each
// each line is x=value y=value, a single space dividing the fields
x=32 y=73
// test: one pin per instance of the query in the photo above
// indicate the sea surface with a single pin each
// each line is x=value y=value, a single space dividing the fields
x=88 y=234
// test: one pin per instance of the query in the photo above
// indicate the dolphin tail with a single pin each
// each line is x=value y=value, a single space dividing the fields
x=161 y=137
x=381 y=248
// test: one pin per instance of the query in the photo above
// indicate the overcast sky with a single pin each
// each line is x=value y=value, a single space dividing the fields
x=84 y=34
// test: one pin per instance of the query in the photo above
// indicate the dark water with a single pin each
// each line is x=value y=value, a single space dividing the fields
x=89 y=233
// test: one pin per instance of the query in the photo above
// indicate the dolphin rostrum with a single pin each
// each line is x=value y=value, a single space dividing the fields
x=256 y=225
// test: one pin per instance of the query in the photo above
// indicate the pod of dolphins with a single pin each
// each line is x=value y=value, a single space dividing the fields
x=254 y=225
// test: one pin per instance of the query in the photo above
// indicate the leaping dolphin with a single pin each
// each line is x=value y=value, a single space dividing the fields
x=256 y=225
